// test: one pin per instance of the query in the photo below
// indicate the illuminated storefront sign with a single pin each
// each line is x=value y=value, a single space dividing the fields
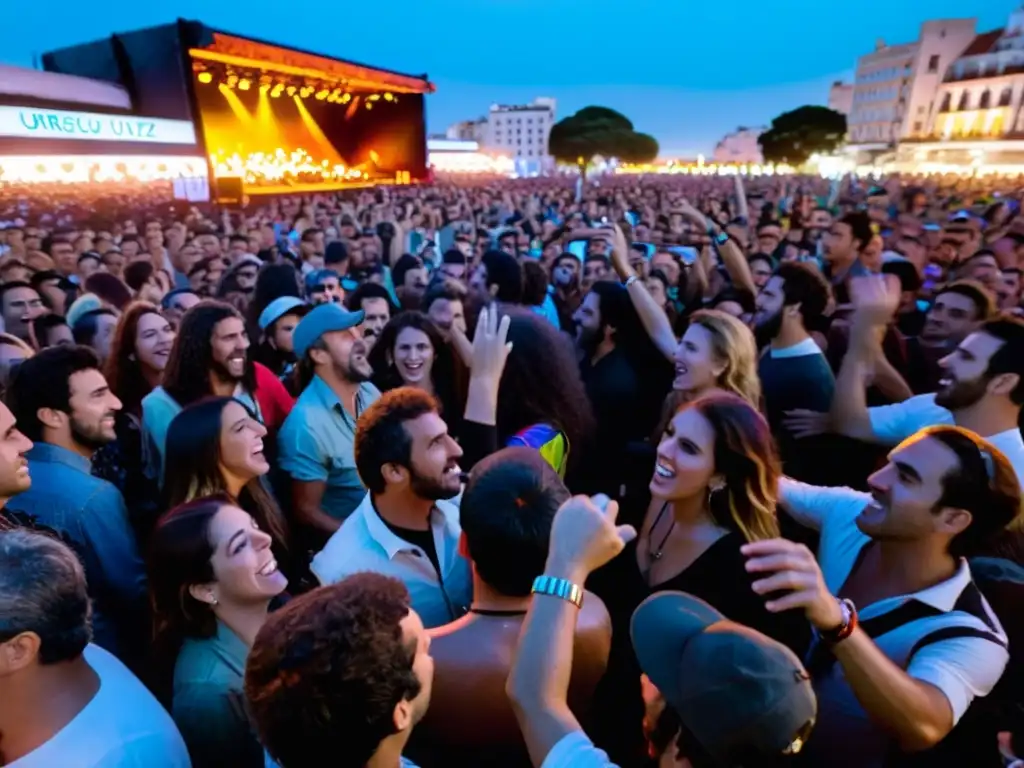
x=26 y=122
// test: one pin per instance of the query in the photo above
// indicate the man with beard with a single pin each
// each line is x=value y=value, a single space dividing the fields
x=210 y=357
x=927 y=643
x=793 y=371
x=344 y=671
x=958 y=310
x=606 y=326
x=375 y=303
x=62 y=402
x=981 y=389
x=405 y=527
x=316 y=441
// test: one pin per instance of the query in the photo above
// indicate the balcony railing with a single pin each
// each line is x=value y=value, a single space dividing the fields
x=1014 y=69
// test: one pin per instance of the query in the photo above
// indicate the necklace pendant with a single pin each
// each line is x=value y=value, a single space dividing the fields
x=656 y=555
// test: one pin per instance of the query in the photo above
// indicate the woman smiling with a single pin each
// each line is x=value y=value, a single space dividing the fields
x=212 y=575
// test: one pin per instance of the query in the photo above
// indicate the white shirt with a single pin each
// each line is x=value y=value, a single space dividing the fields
x=122 y=727
x=962 y=668
x=892 y=424
x=365 y=543
x=801 y=349
x=575 y=750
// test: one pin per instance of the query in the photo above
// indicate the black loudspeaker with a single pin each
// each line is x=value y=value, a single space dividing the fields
x=230 y=190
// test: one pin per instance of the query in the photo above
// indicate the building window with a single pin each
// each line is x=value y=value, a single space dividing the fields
x=986 y=100
x=1006 y=97
x=918 y=126
x=920 y=110
x=965 y=101
x=947 y=102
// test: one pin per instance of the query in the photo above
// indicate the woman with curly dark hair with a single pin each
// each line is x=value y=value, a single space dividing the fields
x=217 y=446
x=138 y=355
x=210 y=356
x=212 y=577
x=411 y=352
x=542 y=403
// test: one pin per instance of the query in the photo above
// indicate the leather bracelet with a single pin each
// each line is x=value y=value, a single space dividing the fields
x=555 y=587
x=845 y=629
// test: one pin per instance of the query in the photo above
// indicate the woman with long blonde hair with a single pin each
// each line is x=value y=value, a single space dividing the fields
x=714 y=489
x=717 y=354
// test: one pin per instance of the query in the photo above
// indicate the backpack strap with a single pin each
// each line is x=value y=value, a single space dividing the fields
x=821 y=660
x=950 y=633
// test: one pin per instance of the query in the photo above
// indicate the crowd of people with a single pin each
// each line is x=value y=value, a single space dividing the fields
x=666 y=471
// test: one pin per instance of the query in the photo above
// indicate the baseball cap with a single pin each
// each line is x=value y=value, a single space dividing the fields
x=739 y=693
x=315 y=278
x=325 y=318
x=277 y=309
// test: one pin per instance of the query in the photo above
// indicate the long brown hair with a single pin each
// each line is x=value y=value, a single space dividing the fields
x=746 y=458
x=192 y=468
x=123 y=374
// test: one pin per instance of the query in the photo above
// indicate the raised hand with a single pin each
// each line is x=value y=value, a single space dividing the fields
x=791 y=568
x=875 y=298
x=584 y=535
x=490 y=345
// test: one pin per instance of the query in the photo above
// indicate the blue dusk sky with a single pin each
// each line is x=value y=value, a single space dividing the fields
x=684 y=71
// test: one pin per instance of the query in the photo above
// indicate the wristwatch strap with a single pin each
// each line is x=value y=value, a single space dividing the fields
x=845 y=629
x=563 y=588
x=630 y=280
x=721 y=238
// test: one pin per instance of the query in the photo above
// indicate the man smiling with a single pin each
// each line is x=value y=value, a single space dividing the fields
x=63 y=403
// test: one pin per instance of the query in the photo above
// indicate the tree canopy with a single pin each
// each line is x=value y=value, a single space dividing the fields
x=599 y=131
x=800 y=133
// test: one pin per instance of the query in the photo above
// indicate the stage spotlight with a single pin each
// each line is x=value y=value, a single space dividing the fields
x=321 y=94
x=374 y=97
x=205 y=77
x=388 y=97
x=265 y=87
x=346 y=98
x=232 y=81
x=290 y=90
x=336 y=93
x=369 y=105
x=243 y=84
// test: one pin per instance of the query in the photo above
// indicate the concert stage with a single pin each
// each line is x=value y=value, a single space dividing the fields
x=268 y=118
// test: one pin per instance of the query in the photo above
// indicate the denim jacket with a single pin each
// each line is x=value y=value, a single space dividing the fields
x=90 y=514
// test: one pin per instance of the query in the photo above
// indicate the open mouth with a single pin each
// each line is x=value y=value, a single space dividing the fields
x=452 y=469
x=663 y=470
x=413 y=367
x=269 y=568
x=257 y=449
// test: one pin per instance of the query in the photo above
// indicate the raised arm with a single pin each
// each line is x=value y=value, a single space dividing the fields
x=583 y=538
x=875 y=299
x=733 y=258
x=653 y=317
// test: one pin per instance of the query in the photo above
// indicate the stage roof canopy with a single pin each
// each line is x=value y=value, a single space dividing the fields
x=49 y=86
x=234 y=50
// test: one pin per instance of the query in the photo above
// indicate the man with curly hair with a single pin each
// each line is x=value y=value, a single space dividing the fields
x=342 y=674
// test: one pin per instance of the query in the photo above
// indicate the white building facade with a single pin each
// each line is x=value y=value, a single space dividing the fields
x=895 y=85
x=522 y=131
x=740 y=147
x=840 y=97
x=978 y=114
